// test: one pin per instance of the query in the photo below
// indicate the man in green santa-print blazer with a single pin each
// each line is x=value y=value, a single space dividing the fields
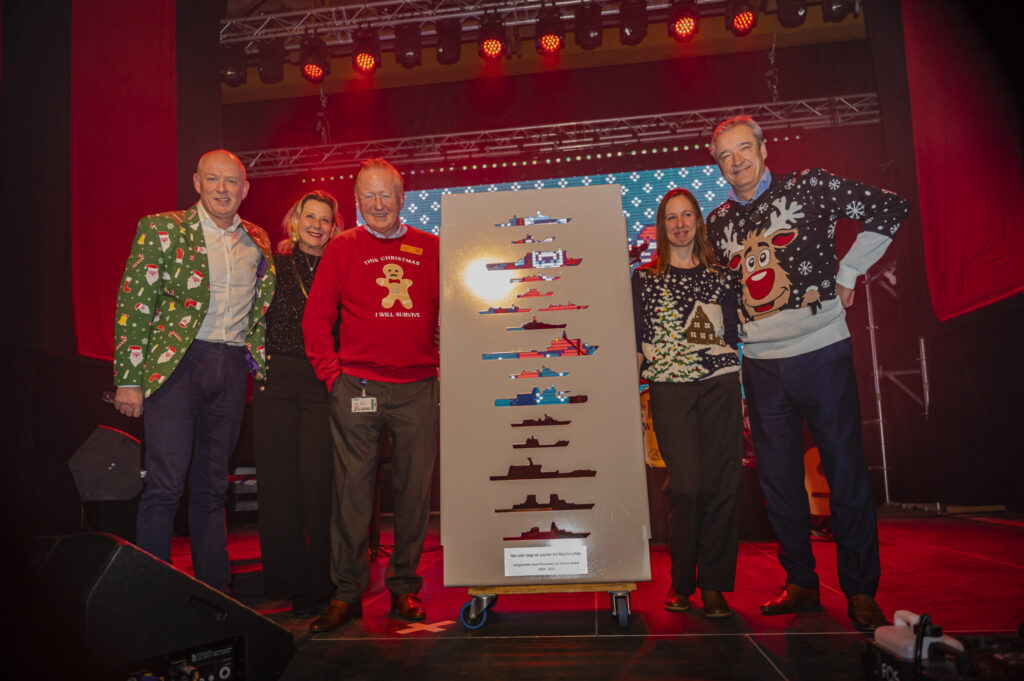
x=190 y=325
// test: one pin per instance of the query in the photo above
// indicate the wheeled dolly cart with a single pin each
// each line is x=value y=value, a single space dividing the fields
x=483 y=598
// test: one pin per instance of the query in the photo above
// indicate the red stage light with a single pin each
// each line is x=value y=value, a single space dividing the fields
x=313 y=73
x=550 y=43
x=491 y=48
x=366 y=62
x=684 y=28
x=743 y=21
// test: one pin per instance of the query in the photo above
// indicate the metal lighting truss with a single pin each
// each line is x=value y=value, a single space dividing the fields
x=546 y=140
x=336 y=26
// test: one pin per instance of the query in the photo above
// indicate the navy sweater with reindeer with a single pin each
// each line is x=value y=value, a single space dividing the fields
x=782 y=247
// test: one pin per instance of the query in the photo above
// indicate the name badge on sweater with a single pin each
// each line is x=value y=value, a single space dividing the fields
x=415 y=250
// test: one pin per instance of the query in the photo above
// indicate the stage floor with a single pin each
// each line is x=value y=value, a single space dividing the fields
x=966 y=571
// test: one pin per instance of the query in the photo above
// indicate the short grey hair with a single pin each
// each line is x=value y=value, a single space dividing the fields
x=729 y=124
x=381 y=164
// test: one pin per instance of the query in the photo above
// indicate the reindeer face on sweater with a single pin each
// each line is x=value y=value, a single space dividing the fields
x=766 y=284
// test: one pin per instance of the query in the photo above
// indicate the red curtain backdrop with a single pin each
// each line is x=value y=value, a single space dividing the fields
x=967 y=148
x=123 y=147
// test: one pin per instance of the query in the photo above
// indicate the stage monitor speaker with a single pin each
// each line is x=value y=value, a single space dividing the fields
x=119 y=613
x=107 y=467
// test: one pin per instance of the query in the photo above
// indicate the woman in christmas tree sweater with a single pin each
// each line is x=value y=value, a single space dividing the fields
x=685 y=317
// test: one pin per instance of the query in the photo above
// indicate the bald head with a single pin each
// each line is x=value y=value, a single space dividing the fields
x=220 y=181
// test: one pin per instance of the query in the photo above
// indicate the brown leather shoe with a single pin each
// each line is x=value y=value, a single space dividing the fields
x=675 y=602
x=793 y=598
x=864 y=612
x=338 y=613
x=714 y=604
x=408 y=606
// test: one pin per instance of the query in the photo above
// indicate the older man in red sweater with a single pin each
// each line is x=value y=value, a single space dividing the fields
x=382 y=280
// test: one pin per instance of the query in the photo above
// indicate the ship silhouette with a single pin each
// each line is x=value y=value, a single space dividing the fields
x=534 y=293
x=554 y=307
x=529 y=239
x=538 y=259
x=533 y=325
x=554 y=533
x=559 y=347
x=533 y=277
x=543 y=372
x=504 y=310
x=532 y=471
x=546 y=421
x=538 y=219
x=537 y=396
x=534 y=443
x=554 y=503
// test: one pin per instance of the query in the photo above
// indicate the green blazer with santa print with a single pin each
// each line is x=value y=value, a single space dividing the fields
x=165 y=294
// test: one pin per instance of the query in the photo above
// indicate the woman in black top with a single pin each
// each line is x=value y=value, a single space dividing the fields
x=292 y=428
x=684 y=308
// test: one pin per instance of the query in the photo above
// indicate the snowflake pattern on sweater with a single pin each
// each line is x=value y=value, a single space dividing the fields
x=782 y=243
x=685 y=324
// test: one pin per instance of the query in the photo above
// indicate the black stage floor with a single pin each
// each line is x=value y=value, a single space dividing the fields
x=966 y=571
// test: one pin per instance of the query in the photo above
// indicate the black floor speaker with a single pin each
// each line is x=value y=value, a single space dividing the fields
x=120 y=613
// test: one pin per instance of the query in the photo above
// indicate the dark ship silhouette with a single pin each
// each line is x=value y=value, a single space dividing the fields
x=554 y=503
x=534 y=443
x=532 y=471
x=546 y=421
x=533 y=325
x=554 y=533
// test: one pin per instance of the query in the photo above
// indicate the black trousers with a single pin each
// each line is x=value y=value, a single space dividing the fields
x=294 y=467
x=699 y=427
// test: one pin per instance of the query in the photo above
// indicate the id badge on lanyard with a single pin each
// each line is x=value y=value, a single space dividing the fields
x=364 y=404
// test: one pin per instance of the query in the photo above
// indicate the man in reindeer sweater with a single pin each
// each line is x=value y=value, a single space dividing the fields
x=777 y=234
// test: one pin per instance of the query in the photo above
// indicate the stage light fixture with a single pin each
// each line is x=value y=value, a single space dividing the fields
x=232 y=65
x=449 y=41
x=272 y=58
x=550 y=36
x=492 y=42
x=588 y=25
x=682 y=21
x=313 y=60
x=835 y=10
x=792 y=13
x=366 y=51
x=740 y=16
x=632 y=21
x=408 y=45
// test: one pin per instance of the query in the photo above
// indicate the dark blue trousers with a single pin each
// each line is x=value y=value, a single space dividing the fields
x=191 y=426
x=818 y=387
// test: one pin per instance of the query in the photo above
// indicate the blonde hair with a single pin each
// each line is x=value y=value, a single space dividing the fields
x=290 y=223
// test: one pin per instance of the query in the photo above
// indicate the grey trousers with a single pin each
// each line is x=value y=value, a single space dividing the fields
x=410 y=412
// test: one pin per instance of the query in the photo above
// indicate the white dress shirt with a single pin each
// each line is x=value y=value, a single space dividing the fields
x=233 y=258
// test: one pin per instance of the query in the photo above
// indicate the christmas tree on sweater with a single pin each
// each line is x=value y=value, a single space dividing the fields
x=674 y=361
